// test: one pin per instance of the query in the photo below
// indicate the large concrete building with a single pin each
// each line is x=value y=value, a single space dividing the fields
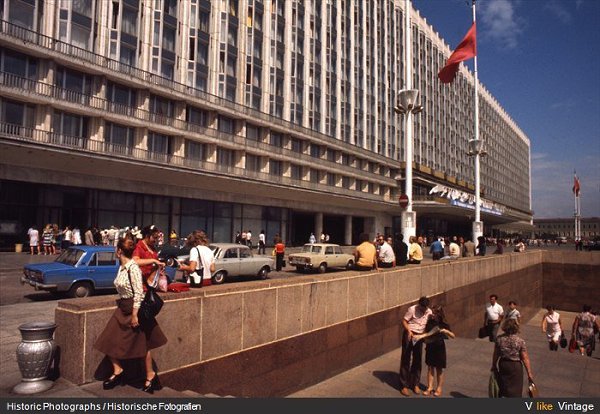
x=241 y=114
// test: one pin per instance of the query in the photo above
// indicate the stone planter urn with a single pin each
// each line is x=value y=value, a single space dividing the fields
x=34 y=356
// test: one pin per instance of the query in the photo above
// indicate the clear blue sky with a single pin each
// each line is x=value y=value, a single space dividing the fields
x=541 y=60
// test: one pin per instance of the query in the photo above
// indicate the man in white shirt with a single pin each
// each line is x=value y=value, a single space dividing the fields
x=249 y=238
x=386 y=256
x=261 y=242
x=494 y=313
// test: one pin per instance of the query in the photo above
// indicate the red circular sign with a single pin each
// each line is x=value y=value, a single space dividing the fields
x=403 y=201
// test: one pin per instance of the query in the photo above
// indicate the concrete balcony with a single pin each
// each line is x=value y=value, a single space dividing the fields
x=69 y=100
x=47 y=47
x=82 y=148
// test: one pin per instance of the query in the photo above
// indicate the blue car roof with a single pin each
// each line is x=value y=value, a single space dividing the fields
x=94 y=248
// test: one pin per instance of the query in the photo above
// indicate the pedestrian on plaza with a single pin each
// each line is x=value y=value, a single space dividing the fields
x=261 y=242
x=513 y=312
x=414 y=323
x=47 y=239
x=468 y=248
x=436 y=249
x=494 y=313
x=76 y=236
x=202 y=260
x=145 y=254
x=386 y=257
x=415 y=253
x=249 y=239
x=510 y=356
x=435 y=349
x=88 y=237
x=312 y=239
x=238 y=238
x=499 y=247
x=481 y=246
x=326 y=238
x=322 y=237
x=124 y=338
x=279 y=250
x=400 y=250
x=55 y=236
x=365 y=254
x=552 y=327
x=585 y=326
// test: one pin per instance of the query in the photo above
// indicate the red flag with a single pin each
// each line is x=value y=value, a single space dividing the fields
x=576 y=186
x=467 y=49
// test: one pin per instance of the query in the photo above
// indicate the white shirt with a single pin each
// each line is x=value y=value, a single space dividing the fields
x=33 y=236
x=261 y=237
x=203 y=257
x=494 y=312
x=454 y=249
x=249 y=236
x=552 y=325
x=386 y=253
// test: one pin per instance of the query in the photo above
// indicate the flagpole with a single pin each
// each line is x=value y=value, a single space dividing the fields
x=477 y=224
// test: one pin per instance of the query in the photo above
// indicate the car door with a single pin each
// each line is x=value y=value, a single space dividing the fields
x=330 y=257
x=102 y=269
x=249 y=264
x=339 y=256
x=230 y=261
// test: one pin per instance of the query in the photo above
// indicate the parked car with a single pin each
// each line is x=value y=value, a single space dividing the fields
x=80 y=271
x=321 y=256
x=230 y=260
x=592 y=246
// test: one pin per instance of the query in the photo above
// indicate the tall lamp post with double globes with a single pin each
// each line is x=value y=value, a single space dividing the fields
x=476 y=150
x=407 y=106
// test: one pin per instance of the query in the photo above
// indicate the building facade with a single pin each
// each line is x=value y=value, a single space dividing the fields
x=565 y=227
x=241 y=114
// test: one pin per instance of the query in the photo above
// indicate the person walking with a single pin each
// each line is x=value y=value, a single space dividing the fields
x=89 y=237
x=513 y=312
x=435 y=350
x=261 y=242
x=510 y=356
x=414 y=323
x=583 y=330
x=145 y=254
x=124 y=337
x=279 y=252
x=494 y=313
x=468 y=249
x=249 y=239
x=481 y=246
x=552 y=327
x=47 y=239
x=312 y=239
x=34 y=241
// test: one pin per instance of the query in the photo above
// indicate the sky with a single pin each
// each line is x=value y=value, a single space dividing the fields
x=541 y=60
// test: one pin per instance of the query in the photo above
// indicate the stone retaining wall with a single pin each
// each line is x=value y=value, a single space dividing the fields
x=269 y=338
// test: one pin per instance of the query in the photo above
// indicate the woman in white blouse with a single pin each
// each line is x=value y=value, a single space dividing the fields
x=552 y=327
x=123 y=337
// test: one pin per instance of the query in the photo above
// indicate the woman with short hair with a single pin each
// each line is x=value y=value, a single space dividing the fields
x=510 y=356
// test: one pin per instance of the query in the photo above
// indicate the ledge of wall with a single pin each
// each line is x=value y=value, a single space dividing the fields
x=214 y=322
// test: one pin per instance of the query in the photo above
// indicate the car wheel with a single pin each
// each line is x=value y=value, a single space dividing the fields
x=219 y=277
x=81 y=290
x=322 y=267
x=350 y=265
x=263 y=273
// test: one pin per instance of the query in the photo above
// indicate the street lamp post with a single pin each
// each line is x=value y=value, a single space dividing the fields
x=476 y=150
x=407 y=105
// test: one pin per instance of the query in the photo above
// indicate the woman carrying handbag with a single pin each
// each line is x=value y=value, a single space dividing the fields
x=124 y=337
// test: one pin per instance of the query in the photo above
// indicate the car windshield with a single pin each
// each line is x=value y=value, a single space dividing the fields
x=70 y=257
x=311 y=248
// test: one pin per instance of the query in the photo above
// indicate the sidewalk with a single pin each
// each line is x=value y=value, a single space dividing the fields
x=557 y=374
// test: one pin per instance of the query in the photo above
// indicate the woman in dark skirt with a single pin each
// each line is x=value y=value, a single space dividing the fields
x=510 y=355
x=123 y=337
x=435 y=349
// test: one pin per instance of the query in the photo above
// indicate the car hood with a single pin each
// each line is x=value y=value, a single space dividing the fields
x=49 y=267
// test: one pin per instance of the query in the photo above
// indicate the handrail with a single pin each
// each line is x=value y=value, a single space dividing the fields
x=84 y=144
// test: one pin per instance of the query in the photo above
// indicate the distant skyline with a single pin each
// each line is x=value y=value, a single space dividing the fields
x=541 y=60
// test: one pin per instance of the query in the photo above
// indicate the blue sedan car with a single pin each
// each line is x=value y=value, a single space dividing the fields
x=80 y=271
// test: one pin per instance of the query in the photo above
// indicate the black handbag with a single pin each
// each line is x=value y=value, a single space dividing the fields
x=150 y=306
x=563 y=341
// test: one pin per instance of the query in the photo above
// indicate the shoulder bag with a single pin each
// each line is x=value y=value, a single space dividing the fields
x=150 y=306
x=493 y=388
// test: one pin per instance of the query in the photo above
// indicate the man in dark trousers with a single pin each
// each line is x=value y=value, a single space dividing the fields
x=400 y=250
x=414 y=323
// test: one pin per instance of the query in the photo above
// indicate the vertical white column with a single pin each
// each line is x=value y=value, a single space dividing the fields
x=477 y=224
x=348 y=231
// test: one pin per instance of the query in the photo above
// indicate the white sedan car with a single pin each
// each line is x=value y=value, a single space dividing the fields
x=321 y=256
